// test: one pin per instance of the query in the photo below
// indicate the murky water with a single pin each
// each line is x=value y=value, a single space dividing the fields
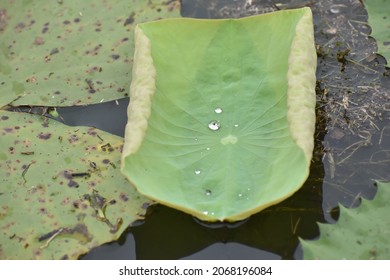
x=351 y=148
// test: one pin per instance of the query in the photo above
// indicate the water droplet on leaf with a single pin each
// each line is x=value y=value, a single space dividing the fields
x=197 y=172
x=208 y=192
x=218 y=110
x=214 y=125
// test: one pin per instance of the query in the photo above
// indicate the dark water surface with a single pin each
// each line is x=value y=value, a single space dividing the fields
x=351 y=148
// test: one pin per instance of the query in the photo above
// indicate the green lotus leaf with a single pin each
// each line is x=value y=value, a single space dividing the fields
x=360 y=233
x=221 y=118
x=61 y=53
x=61 y=190
x=378 y=18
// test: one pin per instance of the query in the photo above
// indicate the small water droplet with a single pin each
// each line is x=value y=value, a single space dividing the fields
x=240 y=195
x=196 y=139
x=208 y=149
x=335 y=10
x=236 y=125
x=205 y=212
x=218 y=110
x=214 y=125
x=197 y=172
x=208 y=192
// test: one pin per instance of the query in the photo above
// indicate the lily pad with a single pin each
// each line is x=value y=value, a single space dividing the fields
x=379 y=20
x=222 y=117
x=361 y=233
x=61 y=190
x=61 y=53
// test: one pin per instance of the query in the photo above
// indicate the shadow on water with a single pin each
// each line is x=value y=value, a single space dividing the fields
x=351 y=140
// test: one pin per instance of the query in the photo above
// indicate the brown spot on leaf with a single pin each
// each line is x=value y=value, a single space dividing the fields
x=73 y=184
x=115 y=56
x=8 y=129
x=94 y=51
x=44 y=136
x=106 y=161
x=39 y=41
x=4 y=118
x=3 y=19
x=91 y=131
x=54 y=51
x=42 y=210
x=123 y=197
x=107 y=148
x=31 y=79
x=45 y=28
x=73 y=138
x=19 y=27
x=145 y=205
x=130 y=19
x=65 y=201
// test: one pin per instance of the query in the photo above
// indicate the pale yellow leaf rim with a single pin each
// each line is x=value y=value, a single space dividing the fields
x=301 y=98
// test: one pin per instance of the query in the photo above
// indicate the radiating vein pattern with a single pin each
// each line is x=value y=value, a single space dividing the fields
x=218 y=143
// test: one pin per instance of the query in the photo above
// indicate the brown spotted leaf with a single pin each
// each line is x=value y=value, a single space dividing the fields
x=61 y=190
x=61 y=53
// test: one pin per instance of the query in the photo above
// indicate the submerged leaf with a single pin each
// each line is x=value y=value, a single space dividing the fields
x=221 y=118
x=61 y=191
x=379 y=20
x=361 y=233
x=61 y=53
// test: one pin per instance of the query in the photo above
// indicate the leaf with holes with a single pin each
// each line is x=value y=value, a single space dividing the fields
x=222 y=116
x=379 y=20
x=361 y=233
x=61 y=191
x=61 y=53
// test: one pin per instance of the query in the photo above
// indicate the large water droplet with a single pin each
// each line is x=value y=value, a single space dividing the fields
x=197 y=172
x=208 y=192
x=218 y=110
x=214 y=125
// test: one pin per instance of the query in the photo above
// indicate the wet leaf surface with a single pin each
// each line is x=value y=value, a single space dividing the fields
x=227 y=136
x=61 y=191
x=61 y=53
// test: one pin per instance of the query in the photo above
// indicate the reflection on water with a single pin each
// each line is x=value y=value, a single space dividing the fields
x=351 y=150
